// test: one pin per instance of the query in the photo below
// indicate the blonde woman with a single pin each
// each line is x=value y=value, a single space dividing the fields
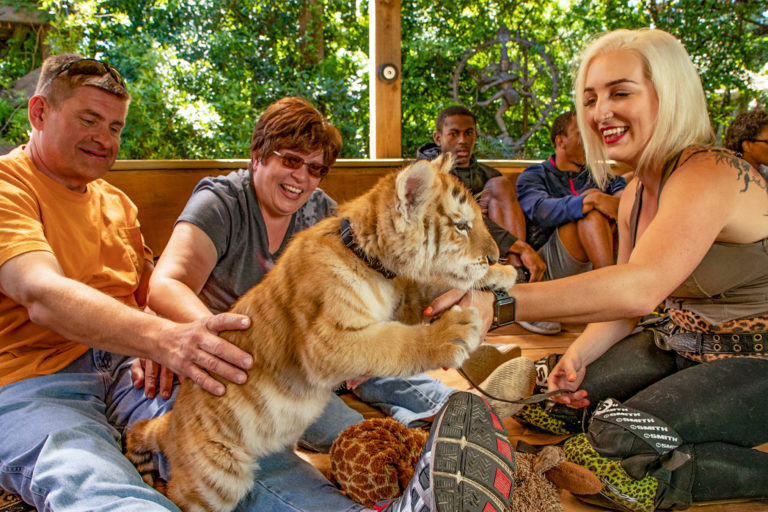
x=675 y=411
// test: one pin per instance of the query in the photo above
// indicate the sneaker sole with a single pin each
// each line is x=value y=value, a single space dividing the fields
x=473 y=463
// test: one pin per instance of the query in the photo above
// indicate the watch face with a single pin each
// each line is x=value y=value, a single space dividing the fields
x=505 y=310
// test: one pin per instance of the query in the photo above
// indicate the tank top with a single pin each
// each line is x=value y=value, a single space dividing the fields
x=730 y=282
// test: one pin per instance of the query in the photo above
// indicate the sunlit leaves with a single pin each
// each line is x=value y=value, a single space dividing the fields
x=201 y=71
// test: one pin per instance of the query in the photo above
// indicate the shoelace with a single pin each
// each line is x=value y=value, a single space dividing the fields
x=533 y=399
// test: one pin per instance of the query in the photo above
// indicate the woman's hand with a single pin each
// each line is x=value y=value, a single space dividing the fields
x=480 y=300
x=568 y=374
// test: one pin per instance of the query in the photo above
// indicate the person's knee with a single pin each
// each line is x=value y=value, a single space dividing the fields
x=501 y=189
x=596 y=235
x=594 y=221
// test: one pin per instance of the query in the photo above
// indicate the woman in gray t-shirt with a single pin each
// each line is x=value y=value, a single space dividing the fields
x=233 y=229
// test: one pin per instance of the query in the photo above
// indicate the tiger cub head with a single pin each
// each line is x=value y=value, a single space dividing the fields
x=424 y=224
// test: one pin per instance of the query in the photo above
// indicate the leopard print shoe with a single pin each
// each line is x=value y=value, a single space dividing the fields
x=547 y=420
x=620 y=491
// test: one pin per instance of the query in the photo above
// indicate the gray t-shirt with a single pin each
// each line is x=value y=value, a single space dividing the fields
x=226 y=209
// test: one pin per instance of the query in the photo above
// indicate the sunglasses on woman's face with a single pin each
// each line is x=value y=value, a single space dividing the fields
x=295 y=162
x=87 y=67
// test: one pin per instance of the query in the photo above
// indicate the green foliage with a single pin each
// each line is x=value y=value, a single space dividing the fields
x=19 y=54
x=438 y=38
x=201 y=71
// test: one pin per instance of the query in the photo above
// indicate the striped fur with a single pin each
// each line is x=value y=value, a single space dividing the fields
x=321 y=316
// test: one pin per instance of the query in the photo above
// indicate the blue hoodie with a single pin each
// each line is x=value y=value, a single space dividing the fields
x=550 y=197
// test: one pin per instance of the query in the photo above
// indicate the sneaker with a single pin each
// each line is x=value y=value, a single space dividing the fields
x=467 y=464
x=512 y=380
x=486 y=358
x=547 y=328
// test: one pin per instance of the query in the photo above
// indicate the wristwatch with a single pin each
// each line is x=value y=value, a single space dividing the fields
x=503 y=309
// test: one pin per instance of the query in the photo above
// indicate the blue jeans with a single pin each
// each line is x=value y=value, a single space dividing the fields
x=60 y=447
x=410 y=401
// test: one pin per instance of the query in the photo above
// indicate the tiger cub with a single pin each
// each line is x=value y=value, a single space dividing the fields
x=340 y=303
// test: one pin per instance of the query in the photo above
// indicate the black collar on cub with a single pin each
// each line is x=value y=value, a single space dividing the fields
x=348 y=237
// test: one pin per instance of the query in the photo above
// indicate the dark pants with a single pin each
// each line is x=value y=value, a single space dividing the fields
x=720 y=408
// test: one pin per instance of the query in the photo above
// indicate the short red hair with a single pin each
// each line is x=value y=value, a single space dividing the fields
x=293 y=123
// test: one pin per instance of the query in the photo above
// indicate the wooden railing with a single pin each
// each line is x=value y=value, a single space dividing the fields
x=160 y=188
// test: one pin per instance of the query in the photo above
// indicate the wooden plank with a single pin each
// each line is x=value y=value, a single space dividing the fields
x=160 y=194
x=160 y=188
x=385 y=97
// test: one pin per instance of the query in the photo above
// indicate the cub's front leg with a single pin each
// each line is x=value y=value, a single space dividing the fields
x=395 y=349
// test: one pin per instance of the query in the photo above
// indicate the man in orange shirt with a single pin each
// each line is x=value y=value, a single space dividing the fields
x=73 y=273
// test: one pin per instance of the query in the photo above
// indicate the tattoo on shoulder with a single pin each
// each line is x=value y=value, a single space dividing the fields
x=745 y=172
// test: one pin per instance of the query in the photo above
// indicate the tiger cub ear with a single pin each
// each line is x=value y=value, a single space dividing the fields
x=444 y=163
x=414 y=187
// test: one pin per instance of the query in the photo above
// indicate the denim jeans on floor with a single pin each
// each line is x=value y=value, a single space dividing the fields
x=60 y=447
x=409 y=401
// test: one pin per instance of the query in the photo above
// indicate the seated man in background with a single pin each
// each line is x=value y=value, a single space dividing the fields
x=748 y=136
x=456 y=133
x=571 y=220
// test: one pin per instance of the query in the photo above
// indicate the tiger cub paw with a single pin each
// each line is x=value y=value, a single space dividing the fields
x=455 y=334
x=500 y=277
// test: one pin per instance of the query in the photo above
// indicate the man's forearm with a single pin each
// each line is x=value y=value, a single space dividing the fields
x=82 y=314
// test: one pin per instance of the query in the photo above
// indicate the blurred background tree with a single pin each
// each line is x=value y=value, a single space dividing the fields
x=202 y=71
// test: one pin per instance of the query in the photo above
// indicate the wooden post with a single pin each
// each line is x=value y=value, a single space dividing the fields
x=385 y=78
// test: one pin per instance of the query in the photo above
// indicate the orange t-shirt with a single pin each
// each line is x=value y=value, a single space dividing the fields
x=96 y=239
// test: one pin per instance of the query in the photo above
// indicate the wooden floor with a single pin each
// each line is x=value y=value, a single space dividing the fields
x=534 y=347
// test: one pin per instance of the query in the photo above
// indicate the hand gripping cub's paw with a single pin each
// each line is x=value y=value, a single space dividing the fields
x=454 y=335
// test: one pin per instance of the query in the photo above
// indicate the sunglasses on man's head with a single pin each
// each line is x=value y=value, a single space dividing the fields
x=90 y=67
x=295 y=162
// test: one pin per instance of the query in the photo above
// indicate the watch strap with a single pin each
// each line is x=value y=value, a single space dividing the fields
x=503 y=309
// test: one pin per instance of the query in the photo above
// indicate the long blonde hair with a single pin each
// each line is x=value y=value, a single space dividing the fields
x=682 y=118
